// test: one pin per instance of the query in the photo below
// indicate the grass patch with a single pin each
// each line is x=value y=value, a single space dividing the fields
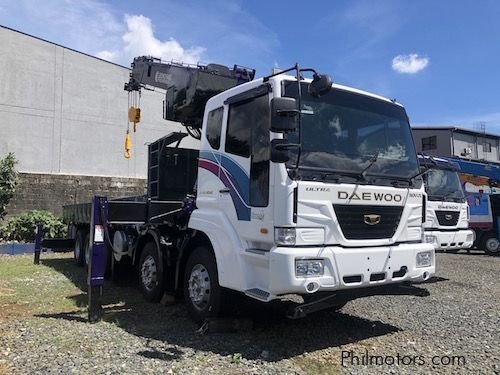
x=318 y=366
x=26 y=288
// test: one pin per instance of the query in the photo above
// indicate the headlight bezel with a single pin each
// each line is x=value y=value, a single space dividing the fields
x=424 y=259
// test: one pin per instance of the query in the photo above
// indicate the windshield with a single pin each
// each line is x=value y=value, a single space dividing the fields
x=345 y=131
x=443 y=185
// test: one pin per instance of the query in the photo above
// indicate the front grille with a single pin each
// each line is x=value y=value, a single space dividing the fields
x=448 y=218
x=352 y=221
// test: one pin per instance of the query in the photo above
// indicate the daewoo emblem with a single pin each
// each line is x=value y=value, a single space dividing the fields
x=448 y=217
x=372 y=219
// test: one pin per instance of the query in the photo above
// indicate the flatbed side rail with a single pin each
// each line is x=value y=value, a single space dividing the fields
x=126 y=212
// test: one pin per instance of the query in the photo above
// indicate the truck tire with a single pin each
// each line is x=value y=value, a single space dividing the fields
x=151 y=277
x=491 y=244
x=78 y=250
x=202 y=292
x=86 y=250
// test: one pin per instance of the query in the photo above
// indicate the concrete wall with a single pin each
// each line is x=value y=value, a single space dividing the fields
x=65 y=112
x=52 y=191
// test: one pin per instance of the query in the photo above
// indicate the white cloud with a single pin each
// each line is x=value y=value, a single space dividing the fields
x=409 y=64
x=84 y=25
x=174 y=30
x=139 y=39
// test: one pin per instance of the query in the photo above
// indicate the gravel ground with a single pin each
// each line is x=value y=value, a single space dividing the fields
x=49 y=335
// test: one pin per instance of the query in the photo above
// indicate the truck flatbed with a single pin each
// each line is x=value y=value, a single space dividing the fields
x=131 y=210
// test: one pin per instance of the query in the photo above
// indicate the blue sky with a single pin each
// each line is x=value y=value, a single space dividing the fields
x=441 y=59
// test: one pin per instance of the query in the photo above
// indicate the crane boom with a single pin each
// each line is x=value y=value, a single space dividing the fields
x=188 y=87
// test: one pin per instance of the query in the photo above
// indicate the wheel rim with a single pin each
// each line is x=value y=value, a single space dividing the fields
x=148 y=273
x=492 y=245
x=199 y=287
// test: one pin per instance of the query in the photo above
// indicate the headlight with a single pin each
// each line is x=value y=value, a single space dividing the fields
x=424 y=259
x=285 y=236
x=311 y=267
x=470 y=238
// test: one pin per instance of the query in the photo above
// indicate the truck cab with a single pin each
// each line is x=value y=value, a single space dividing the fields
x=342 y=211
x=447 y=212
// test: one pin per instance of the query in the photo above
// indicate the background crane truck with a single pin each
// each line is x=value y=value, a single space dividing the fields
x=447 y=221
x=300 y=186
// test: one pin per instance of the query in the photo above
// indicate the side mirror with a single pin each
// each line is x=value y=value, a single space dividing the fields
x=284 y=115
x=320 y=85
x=279 y=151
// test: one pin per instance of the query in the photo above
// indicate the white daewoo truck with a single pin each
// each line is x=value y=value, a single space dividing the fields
x=297 y=188
x=447 y=213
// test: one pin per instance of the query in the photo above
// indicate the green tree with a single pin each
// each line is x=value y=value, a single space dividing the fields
x=8 y=181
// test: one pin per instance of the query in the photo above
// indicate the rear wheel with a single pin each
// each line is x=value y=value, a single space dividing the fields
x=86 y=250
x=491 y=244
x=202 y=292
x=78 y=250
x=151 y=277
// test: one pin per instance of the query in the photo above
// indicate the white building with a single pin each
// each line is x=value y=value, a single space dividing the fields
x=457 y=142
x=65 y=112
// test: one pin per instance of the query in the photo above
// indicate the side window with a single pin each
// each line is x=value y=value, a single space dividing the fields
x=248 y=136
x=214 y=126
x=261 y=153
x=238 y=128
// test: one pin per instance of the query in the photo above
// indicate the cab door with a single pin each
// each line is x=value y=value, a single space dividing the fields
x=245 y=167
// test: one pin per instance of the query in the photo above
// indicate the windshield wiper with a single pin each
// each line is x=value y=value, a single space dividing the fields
x=372 y=161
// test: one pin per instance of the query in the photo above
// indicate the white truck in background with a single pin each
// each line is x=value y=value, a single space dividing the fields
x=300 y=186
x=447 y=211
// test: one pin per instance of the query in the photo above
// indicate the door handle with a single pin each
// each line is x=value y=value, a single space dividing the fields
x=226 y=190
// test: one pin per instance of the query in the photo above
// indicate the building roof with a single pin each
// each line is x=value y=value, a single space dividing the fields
x=458 y=130
x=59 y=45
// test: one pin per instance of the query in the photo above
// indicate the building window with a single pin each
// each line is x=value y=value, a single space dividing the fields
x=487 y=147
x=214 y=126
x=429 y=143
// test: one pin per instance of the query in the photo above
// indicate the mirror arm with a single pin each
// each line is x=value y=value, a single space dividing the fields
x=299 y=104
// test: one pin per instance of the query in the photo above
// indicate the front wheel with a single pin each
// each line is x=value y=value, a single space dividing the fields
x=491 y=244
x=202 y=292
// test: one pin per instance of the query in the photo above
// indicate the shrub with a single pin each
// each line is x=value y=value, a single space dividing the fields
x=8 y=181
x=22 y=228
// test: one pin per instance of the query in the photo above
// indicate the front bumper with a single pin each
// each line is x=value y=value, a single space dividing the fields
x=450 y=240
x=347 y=268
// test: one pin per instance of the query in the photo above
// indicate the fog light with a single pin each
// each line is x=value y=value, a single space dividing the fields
x=313 y=267
x=430 y=238
x=424 y=259
x=284 y=236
